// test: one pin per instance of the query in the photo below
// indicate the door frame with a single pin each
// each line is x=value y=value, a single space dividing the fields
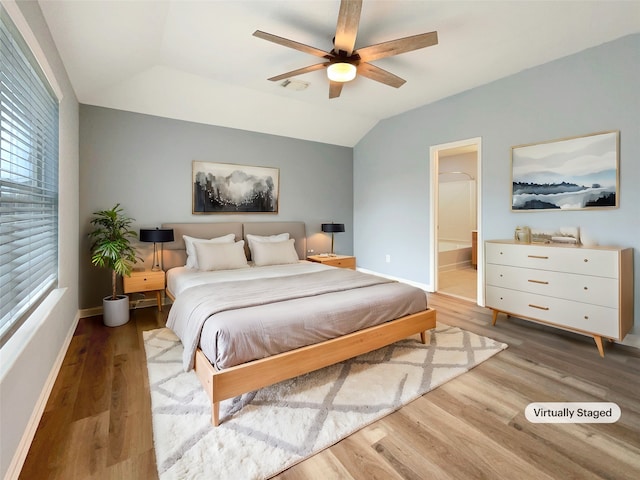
x=434 y=164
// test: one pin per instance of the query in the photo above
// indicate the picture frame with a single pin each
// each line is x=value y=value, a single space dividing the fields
x=232 y=188
x=576 y=173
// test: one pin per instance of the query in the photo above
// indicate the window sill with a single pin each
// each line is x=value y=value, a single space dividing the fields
x=10 y=351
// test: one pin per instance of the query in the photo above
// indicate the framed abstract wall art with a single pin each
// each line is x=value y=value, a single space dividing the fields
x=570 y=174
x=230 y=188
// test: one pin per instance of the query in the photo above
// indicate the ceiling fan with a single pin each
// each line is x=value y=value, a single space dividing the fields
x=343 y=62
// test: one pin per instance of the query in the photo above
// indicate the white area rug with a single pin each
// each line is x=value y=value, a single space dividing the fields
x=265 y=432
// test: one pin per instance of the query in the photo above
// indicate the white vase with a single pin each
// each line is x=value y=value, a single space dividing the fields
x=586 y=239
x=115 y=312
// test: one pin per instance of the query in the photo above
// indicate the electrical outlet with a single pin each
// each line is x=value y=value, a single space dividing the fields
x=310 y=250
x=387 y=258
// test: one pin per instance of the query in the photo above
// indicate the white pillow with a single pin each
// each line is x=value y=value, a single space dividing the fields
x=274 y=253
x=192 y=259
x=252 y=239
x=220 y=256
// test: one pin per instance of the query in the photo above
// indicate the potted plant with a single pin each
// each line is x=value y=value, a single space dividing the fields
x=111 y=248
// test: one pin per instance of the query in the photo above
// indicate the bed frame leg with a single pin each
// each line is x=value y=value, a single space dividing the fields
x=215 y=413
x=423 y=337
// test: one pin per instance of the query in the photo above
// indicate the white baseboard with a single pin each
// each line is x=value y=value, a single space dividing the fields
x=631 y=340
x=455 y=266
x=133 y=304
x=13 y=472
x=422 y=286
x=90 y=312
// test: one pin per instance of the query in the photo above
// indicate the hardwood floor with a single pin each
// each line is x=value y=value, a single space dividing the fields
x=97 y=423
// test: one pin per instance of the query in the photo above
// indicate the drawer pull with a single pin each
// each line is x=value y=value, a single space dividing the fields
x=538 y=307
x=541 y=282
x=586 y=260
x=586 y=288
x=539 y=256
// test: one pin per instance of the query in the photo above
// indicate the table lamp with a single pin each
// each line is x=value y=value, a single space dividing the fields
x=156 y=235
x=332 y=228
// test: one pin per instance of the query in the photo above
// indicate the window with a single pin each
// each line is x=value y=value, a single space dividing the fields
x=28 y=181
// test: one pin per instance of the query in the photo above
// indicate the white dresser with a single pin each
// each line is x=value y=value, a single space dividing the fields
x=588 y=290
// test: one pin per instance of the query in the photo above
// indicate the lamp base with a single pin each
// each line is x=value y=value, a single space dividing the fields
x=156 y=264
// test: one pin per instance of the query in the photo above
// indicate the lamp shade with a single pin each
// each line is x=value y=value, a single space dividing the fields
x=333 y=227
x=156 y=235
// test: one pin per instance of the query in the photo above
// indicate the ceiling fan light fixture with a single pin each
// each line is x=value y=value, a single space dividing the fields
x=341 y=72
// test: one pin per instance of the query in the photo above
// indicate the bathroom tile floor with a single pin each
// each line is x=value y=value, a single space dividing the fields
x=461 y=283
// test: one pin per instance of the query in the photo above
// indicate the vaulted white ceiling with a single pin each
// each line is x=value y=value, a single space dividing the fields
x=198 y=61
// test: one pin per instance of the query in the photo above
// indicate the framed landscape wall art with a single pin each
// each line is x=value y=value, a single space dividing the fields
x=570 y=174
x=229 y=188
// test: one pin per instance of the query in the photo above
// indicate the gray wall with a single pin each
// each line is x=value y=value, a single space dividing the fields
x=144 y=163
x=31 y=358
x=592 y=91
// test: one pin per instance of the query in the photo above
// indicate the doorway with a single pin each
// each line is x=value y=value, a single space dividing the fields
x=456 y=260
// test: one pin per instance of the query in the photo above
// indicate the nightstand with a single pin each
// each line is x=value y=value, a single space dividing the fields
x=341 y=261
x=145 y=281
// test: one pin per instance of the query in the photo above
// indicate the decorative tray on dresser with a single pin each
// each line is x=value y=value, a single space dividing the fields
x=588 y=290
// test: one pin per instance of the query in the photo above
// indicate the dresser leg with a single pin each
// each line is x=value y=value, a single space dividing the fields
x=598 y=340
x=159 y=300
x=495 y=317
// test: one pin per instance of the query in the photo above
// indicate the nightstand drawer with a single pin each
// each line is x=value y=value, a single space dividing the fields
x=342 y=262
x=145 y=281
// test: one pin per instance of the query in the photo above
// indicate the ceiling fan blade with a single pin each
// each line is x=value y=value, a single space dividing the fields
x=300 y=71
x=347 y=28
x=395 y=47
x=335 y=88
x=291 y=44
x=380 y=75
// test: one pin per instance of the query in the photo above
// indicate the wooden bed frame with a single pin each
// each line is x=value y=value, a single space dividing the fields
x=247 y=377
x=231 y=382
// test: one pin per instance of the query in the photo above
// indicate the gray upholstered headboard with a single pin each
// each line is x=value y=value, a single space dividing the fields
x=174 y=253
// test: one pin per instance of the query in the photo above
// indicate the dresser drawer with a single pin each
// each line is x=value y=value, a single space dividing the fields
x=586 y=318
x=580 y=288
x=583 y=261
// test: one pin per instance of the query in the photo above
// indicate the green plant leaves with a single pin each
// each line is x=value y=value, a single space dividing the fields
x=111 y=242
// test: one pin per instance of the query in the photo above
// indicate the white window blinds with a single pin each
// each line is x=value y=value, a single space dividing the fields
x=28 y=180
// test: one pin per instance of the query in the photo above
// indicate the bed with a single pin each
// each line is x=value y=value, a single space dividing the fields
x=245 y=327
